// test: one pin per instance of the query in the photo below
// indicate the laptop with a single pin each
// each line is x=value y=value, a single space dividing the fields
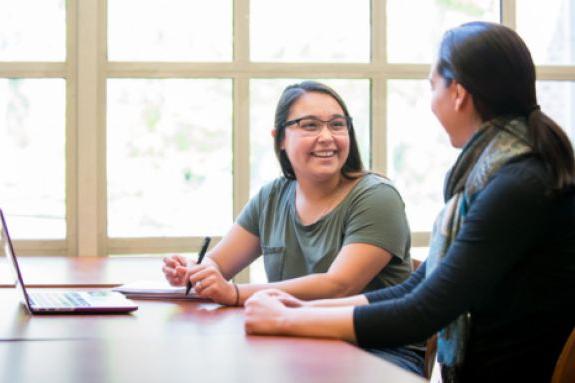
x=58 y=302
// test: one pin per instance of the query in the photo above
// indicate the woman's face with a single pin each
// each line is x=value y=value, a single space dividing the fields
x=320 y=155
x=453 y=107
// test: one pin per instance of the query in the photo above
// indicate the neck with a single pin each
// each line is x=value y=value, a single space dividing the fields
x=319 y=190
x=471 y=128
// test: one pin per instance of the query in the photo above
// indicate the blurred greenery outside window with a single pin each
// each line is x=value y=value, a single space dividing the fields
x=189 y=93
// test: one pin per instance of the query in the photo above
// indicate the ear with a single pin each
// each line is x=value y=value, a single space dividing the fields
x=462 y=97
x=274 y=133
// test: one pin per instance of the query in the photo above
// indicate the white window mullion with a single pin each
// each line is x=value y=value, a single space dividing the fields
x=241 y=113
x=71 y=124
x=378 y=87
x=90 y=93
x=508 y=13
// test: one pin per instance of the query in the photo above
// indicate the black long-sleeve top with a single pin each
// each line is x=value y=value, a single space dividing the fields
x=512 y=266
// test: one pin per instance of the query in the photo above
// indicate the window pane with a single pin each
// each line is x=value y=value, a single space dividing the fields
x=175 y=30
x=548 y=28
x=264 y=95
x=557 y=100
x=32 y=30
x=32 y=154
x=310 y=31
x=169 y=157
x=412 y=37
x=420 y=153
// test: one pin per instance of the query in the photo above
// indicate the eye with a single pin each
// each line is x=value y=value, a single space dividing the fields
x=309 y=124
x=338 y=124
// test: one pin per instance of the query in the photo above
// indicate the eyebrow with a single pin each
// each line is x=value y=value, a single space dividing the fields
x=317 y=118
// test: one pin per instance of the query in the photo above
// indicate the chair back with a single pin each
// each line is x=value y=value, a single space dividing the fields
x=565 y=368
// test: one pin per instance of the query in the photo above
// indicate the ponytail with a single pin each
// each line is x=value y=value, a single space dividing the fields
x=553 y=146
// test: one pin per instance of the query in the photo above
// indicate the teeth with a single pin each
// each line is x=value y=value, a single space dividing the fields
x=324 y=154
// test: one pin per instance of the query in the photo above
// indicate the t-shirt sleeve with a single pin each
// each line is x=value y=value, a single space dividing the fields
x=249 y=217
x=377 y=217
x=505 y=221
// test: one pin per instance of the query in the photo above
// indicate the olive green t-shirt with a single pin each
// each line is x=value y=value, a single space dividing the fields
x=373 y=213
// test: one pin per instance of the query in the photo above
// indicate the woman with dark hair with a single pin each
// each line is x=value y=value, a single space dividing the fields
x=498 y=285
x=326 y=228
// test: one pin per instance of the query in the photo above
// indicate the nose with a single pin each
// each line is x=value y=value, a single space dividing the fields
x=325 y=133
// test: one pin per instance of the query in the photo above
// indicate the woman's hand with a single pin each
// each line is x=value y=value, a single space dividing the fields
x=175 y=269
x=265 y=313
x=287 y=299
x=209 y=283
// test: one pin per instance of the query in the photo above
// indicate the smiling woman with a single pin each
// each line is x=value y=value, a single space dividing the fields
x=320 y=226
x=307 y=149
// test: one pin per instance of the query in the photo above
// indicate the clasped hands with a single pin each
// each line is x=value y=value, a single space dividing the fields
x=266 y=311
x=206 y=278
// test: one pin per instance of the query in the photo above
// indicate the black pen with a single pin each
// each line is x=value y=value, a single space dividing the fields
x=200 y=258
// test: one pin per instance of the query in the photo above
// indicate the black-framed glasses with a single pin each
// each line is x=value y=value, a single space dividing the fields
x=312 y=126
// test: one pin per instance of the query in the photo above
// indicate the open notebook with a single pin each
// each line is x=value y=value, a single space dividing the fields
x=155 y=290
x=61 y=302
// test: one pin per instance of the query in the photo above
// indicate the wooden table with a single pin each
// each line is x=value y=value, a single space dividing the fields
x=42 y=271
x=169 y=341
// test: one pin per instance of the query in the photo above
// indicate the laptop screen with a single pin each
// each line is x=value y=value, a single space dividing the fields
x=8 y=249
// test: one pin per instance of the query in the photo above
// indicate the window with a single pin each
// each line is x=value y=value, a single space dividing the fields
x=130 y=127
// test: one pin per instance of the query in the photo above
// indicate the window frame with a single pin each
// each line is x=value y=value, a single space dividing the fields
x=86 y=71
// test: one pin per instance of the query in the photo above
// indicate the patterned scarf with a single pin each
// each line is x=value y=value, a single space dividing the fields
x=496 y=143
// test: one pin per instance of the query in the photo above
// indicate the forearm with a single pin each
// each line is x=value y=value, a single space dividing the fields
x=326 y=322
x=309 y=287
x=237 y=249
x=355 y=300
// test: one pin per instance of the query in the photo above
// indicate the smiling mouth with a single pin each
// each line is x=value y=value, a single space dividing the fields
x=324 y=154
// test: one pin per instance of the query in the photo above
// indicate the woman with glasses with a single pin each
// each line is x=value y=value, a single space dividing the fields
x=498 y=285
x=325 y=229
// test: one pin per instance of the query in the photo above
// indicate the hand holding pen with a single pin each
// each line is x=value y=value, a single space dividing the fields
x=200 y=258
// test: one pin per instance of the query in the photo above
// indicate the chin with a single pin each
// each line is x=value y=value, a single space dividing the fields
x=326 y=175
x=455 y=143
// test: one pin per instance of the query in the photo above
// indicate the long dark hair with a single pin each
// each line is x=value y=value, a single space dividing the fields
x=495 y=66
x=289 y=96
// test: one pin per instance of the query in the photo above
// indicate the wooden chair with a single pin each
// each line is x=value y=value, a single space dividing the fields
x=565 y=368
x=415 y=264
x=430 y=351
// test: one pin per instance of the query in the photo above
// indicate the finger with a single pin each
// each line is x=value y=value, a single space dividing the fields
x=181 y=271
x=207 y=283
x=274 y=293
x=169 y=272
x=202 y=272
x=181 y=259
x=250 y=301
x=169 y=262
x=288 y=302
x=251 y=328
x=194 y=268
x=268 y=293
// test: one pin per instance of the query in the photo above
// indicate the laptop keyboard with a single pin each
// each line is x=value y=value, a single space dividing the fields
x=51 y=299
